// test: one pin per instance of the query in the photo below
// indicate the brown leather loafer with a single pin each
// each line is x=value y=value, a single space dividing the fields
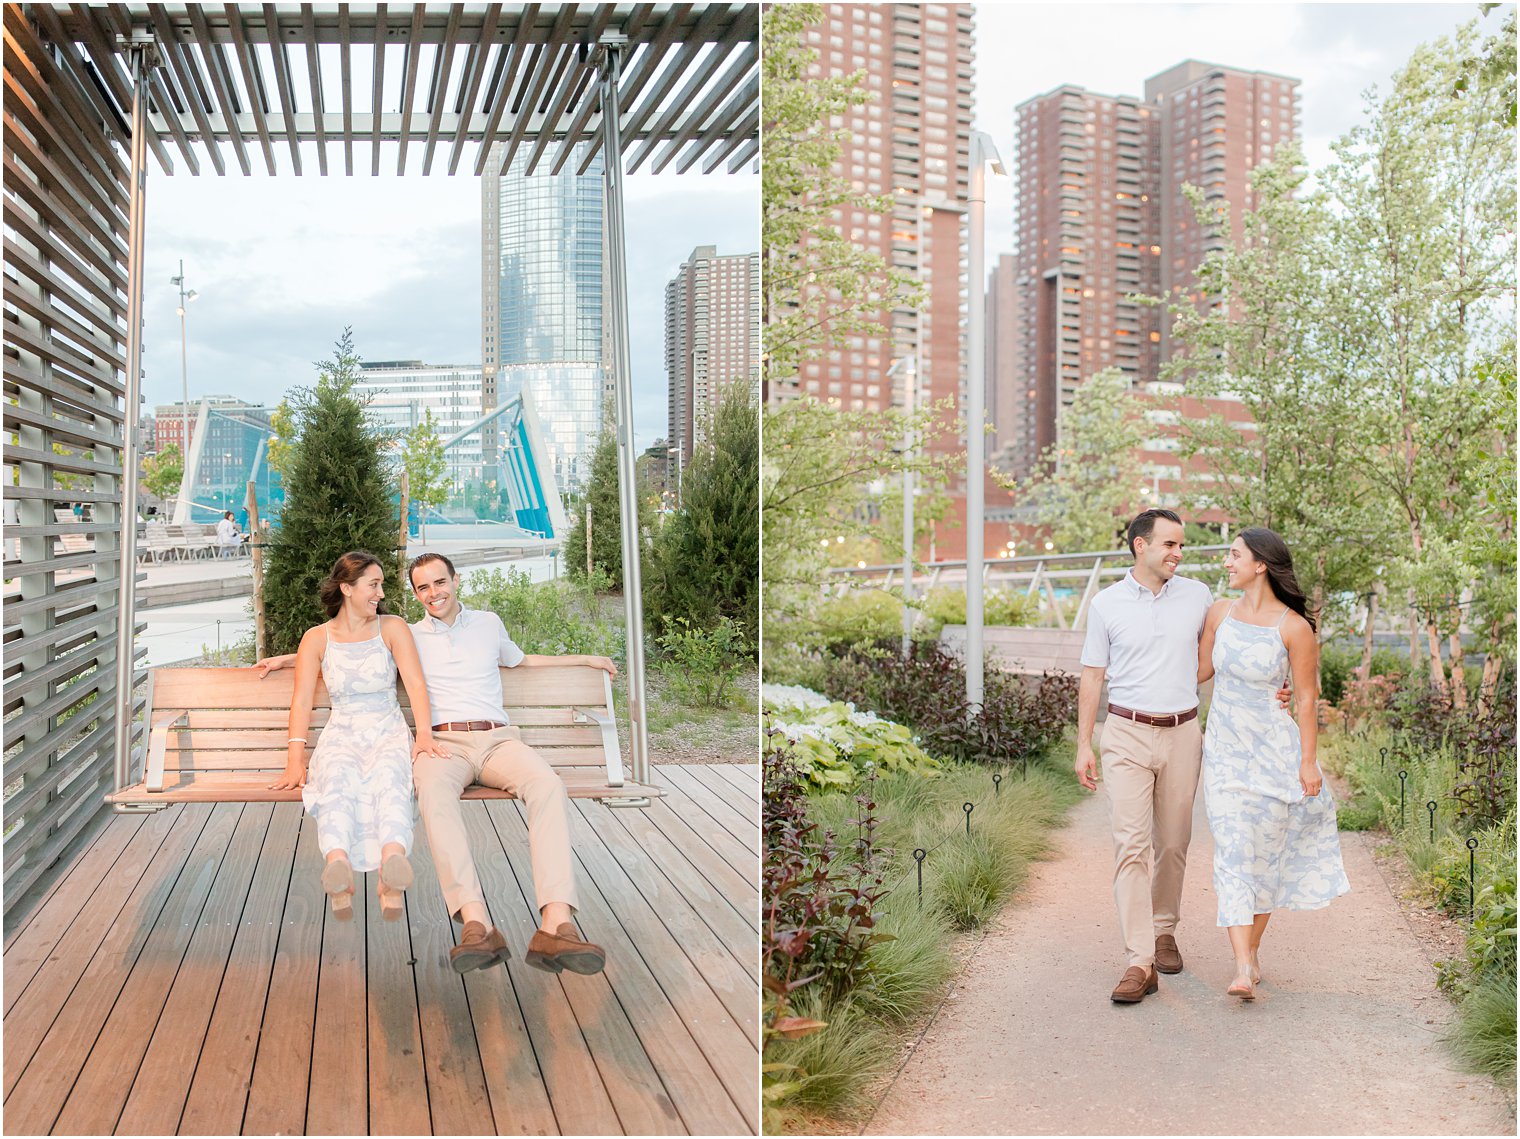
x=564 y=949
x=1168 y=956
x=478 y=948
x=1135 y=986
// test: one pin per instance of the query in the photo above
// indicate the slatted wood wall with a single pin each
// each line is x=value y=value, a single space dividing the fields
x=66 y=177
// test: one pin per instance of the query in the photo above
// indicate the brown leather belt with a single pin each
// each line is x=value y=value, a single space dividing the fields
x=468 y=726
x=1170 y=720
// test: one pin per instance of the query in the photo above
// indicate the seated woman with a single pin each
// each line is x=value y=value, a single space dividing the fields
x=360 y=789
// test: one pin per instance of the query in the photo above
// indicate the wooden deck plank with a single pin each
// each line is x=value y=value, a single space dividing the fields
x=95 y=1102
x=745 y=829
x=742 y=799
x=650 y=854
x=580 y=1100
x=226 y=999
x=51 y=1029
x=115 y=854
x=219 y=1086
x=458 y=1100
x=672 y=990
x=691 y=908
x=744 y=775
x=157 y=1097
x=396 y=1072
x=637 y=1093
x=91 y=865
x=338 y=1092
x=278 y=1091
x=727 y=867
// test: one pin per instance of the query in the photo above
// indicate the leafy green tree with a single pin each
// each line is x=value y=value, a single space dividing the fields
x=601 y=498
x=1092 y=481
x=818 y=285
x=162 y=473
x=283 y=426
x=1425 y=202
x=705 y=564
x=339 y=496
x=427 y=483
x=1269 y=340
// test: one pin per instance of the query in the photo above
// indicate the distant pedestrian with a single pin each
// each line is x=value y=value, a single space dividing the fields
x=228 y=537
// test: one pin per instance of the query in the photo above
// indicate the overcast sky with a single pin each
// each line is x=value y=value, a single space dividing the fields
x=283 y=264
x=1337 y=51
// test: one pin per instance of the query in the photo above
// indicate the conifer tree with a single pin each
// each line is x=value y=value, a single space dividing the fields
x=601 y=492
x=339 y=493
x=706 y=561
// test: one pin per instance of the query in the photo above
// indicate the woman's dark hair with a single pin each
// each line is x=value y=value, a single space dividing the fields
x=1144 y=524
x=226 y=514
x=346 y=570
x=1269 y=549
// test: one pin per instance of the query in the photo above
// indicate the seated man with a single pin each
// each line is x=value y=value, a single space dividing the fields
x=460 y=650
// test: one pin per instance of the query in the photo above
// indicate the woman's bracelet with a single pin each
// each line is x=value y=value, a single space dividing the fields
x=295 y=740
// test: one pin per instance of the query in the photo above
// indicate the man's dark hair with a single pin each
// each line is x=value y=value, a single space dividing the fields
x=1145 y=523
x=423 y=559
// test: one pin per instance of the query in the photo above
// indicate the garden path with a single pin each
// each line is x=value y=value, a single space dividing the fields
x=1342 y=1039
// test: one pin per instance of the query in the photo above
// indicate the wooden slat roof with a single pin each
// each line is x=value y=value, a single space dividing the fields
x=244 y=86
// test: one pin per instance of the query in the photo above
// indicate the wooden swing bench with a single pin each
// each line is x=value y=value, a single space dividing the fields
x=217 y=735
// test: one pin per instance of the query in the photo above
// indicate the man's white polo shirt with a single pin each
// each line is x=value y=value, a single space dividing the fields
x=459 y=664
x=1148 y=642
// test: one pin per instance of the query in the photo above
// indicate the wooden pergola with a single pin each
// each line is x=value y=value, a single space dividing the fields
x=92 y=93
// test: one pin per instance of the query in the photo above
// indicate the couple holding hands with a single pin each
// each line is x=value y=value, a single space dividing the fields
x=1155 y=637
x=359 y=781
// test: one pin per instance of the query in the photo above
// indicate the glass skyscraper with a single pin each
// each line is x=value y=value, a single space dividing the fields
x=541 y=307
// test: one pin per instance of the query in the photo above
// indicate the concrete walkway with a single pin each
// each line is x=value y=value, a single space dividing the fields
x=1342 y=1039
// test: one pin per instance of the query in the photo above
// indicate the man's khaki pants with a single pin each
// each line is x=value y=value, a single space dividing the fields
x=1152 y=779
x=494 y=759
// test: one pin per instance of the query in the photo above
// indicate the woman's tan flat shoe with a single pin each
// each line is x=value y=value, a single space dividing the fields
x=1242 y=989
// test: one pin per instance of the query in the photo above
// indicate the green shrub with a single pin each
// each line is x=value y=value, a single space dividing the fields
x=702 y=664
x=833 y=747
x=946 y=605
x=705 y=561
x=1483 y=1036
x=546 y=617
x=860 y=617
x=1336 y=665
x=602 y=496
x=828 y=1070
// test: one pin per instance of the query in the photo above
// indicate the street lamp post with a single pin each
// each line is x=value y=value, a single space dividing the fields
x=185 y=297
x=983 y=154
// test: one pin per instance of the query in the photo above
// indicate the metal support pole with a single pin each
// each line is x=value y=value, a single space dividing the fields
x=982 y=152
x=617 y=275
x=910 y=384
x=126 y=586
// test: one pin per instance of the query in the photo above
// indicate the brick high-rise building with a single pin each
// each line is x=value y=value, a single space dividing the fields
x=712 y=338
x=911 y=141
x=1100 y=216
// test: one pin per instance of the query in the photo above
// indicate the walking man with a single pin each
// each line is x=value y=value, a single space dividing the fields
x=1142 y=635
x=460 y=650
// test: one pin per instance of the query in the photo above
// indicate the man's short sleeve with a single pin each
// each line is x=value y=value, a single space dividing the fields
x=509 y=654
x=1095 y=647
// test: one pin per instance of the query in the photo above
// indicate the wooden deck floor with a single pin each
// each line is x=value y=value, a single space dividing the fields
x=184 y=977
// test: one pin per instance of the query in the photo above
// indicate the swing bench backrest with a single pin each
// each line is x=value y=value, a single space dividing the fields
x=219 y=734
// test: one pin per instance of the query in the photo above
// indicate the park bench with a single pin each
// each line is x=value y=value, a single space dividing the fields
x=193 y=539
x=158 y=544
x=219 y=734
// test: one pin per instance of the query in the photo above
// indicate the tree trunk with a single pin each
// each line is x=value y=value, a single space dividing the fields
x=1364 y=670
x=1488 y=682
x=1412 y=621
x=1437 y=669
x=1458 y=673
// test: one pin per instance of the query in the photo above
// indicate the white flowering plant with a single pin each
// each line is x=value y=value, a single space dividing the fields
x=833 y=746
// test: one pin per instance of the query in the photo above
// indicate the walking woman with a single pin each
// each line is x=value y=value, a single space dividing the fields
x=1275 y=840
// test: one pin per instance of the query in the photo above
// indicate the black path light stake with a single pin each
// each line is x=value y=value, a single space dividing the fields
x=1472 y=877
x=997 y=782
x=968 y=808
x=1431 y=807
x=1403 y=775
x=1382 y=758
x=918 y=856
